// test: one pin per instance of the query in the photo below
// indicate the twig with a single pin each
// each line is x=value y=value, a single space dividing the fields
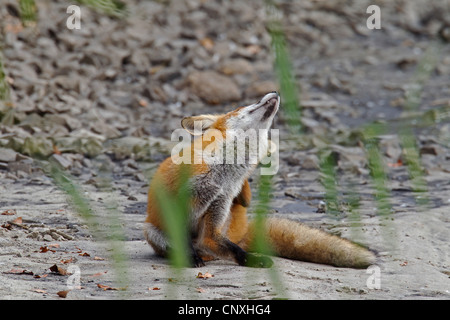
x=18 y=225
x=64 y=235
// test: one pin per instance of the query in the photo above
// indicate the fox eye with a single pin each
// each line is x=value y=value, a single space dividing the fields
x=201 y=123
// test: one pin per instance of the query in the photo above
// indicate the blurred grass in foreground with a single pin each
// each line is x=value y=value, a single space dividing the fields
x=175 y=207
x=376 y=165
x=4 y=87
x=260 y=244
x=113 y=8
x=289 y=90
x=413 y=98
x=6 y=106
x=28 y=12
x=328 y=179
x=113 y=235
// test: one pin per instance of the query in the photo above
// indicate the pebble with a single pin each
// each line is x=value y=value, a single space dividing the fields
x=213 y=87
x=61 y=160
x=7 y=155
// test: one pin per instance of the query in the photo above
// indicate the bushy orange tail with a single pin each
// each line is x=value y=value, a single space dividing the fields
x=293 y=240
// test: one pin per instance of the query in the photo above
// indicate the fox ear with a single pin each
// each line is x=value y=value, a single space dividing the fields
x=197 y=125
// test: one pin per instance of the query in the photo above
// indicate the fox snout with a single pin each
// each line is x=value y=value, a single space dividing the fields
x=270 y=101
x=271 y=104
x=256 y=116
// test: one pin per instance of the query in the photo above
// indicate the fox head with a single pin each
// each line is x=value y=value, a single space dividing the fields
x=237 y=137
x=255 y=116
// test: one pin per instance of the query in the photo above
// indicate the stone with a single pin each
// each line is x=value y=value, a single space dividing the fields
x=213 y=87
x=7 y=155
x=61 y=160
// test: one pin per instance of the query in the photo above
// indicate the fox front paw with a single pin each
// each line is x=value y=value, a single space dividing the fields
x=197 y=261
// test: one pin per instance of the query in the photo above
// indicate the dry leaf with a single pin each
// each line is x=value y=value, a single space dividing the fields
x=207 y=43
x=14 y=28
x=143 y=103
x=67 y=261
x=99 y=258
x=204 y=276
x=58 y=270
x=397 y=164
x=9 y=212
x=45 y=249
x=7 y=226
x=56 y=150
x=78 y=250
x=98 y=274
x=18 y=220
x=200 y=290
x=105 y=287
x=63 y=294
x=39 y=291
x=253 y=49
x=20 y=271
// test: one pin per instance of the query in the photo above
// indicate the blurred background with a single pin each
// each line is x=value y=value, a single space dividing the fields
x=134 y=68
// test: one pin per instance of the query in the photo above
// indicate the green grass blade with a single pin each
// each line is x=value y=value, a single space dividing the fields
x=114 y=235
x=113 y=8
x=288 y=87
x=28 y=12
x=175 y=209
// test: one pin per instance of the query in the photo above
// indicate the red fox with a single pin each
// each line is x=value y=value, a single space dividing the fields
x=220 y=195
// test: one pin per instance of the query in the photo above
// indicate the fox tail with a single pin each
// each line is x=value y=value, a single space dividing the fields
x=293 y=240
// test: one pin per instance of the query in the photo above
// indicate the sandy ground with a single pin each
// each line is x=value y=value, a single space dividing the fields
x=413 y=256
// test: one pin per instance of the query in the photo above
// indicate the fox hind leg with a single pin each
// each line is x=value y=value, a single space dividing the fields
x=158 y=241
x=196 y=259
x=156 y=238
x=221 y=246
